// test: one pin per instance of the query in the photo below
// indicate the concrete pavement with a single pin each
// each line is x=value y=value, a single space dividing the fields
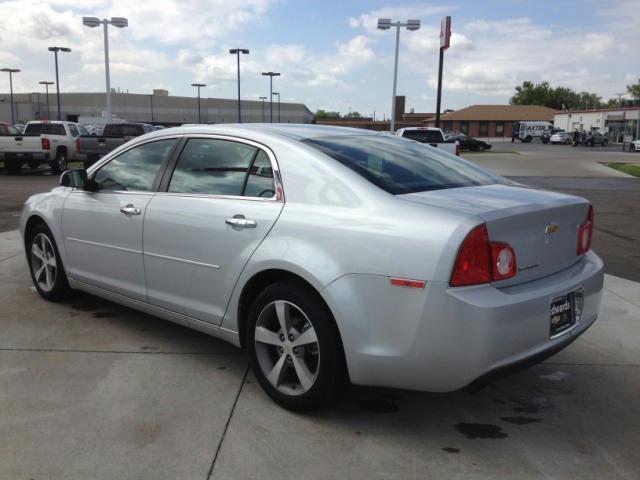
x=89 y=389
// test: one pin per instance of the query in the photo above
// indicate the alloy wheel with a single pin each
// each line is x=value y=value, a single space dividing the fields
x=43 y=262
x=287 y=348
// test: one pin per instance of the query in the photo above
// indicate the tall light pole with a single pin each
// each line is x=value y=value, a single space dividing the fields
x=118 y=22
x=278 y=94
x=263 y=99
x=46 y=85
x=237 y=52
x=270 y=75
x=386 y=24
x=151 y=100
x=11 y=71
x=199 y=85
x=55 y=51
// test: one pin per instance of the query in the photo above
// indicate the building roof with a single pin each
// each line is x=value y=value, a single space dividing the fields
x=511 y=113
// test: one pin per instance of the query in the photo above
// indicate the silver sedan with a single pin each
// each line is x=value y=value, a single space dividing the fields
x=330 y=254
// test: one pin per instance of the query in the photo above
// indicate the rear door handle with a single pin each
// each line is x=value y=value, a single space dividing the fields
x=130 y=210
x=238 y=222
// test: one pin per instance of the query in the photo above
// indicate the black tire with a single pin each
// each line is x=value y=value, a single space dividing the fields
x=481 y=148
x=60 y=289
x=59 y=164
x=34 y=165
x=567 y=142
x=13 y=166
x=528 y=139
x=605 y=142
x=330 y=368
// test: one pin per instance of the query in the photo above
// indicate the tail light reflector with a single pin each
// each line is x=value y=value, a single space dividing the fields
x=406 y=282
x=585 y=232
x=481 y=261
x=77 y=144
x=46 y=144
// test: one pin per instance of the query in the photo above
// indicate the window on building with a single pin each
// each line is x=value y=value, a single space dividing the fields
x=447 y=126
x=499 y=128
x=464 y=127
x=484 y=129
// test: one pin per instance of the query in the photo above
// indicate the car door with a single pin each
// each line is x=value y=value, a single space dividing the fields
x=218 y=204
x=103 y=229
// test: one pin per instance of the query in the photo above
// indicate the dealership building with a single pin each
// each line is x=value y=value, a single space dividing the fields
x=158 y=108
x=622 y=124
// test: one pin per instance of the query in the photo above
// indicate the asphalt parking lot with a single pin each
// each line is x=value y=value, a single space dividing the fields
x=90 y=389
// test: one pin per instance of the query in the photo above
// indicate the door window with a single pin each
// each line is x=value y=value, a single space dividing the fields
x=260 y=179
x=217 y=167
x=73 y=129
x=136 y=169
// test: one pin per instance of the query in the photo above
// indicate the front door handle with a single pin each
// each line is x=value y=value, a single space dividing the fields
x=239 y=222
x=130 y=210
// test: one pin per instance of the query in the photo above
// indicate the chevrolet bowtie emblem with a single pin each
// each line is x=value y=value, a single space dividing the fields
x=551 y=228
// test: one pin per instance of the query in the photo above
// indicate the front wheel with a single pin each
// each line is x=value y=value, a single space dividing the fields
x=295 y=347
x=59 y=164
x=45 y=265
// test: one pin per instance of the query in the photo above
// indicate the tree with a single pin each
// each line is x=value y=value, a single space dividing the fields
x=353 y=115
x=530 y=93
x=634 y=90
x=324 y=114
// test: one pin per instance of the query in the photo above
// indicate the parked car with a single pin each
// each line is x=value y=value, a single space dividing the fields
x=595 y=137
x=468 y=143
x=634 y=146
x=113 y=136
x=431 y=136
x=546 y=135
x=561 y=137
x=326 y=252
x=529 y=131
x=18 y=148
x=10 y=137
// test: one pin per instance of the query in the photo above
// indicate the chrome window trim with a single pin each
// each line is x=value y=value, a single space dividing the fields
x=277 y=178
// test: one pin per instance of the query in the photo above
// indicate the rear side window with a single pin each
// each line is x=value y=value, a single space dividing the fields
x=122 y=129
x=424 y=136
x=398 y=166
x=135 y=169
x=213 y=167
x=45 y=129
x=260 y=178
x=74 y=130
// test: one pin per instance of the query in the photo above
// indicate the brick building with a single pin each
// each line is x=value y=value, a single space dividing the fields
x=491 y=120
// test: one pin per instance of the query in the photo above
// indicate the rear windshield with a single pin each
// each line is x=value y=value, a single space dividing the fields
x=44 y=129
x=123 y=129
x=424 y=136
x=399 y=166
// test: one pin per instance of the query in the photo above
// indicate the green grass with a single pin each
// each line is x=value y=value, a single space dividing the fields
x=628 y=168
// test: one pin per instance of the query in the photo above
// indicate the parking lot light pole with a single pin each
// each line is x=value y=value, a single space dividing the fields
x=46 y=85
x=386 y=24
x=278 y=94
x=263 y=99
x=55 y=51
x=151 y=100
x=270 y=75
x=237 y=52
x=11 y=71
x=118 y=22
x=199 y=85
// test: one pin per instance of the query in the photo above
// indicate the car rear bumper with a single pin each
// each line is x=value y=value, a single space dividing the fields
x=442 y=338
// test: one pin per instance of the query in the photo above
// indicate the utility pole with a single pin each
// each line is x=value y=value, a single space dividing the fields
x=445 y=36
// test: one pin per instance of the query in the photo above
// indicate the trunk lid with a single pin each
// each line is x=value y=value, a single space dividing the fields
x=541 y=226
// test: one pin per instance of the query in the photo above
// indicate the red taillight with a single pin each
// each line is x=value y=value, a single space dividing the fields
x=457 y=149
x=480 y=261
x=585 y=231
x=77 y=144
x=46 y=145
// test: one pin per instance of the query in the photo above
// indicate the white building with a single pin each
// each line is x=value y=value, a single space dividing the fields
x=622 y=124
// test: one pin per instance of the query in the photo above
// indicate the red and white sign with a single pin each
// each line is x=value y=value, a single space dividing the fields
x=445 y=32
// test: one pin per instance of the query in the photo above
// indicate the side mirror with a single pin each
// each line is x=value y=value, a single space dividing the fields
x=77 y=178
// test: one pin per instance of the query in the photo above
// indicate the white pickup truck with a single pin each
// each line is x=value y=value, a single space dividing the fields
x=431 y=136
x=52 y=142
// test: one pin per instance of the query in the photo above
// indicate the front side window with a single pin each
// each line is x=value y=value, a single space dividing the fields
x=398 y=166
x=212 y=167
x=8 y=130
x=135 y=169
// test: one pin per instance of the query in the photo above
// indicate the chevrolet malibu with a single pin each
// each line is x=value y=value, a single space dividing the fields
x=329 y=253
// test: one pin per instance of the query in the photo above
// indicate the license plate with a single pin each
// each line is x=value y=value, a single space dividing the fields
x=562 y=314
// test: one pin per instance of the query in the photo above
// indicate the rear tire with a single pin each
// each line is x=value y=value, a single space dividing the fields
x=45 y=265
x=59 y=164
x=301 y=368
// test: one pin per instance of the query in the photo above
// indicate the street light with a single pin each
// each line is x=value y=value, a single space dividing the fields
x=199 y=85
x=270 y=75
x=55 y=51
x=278 y=94
x=263 y=99
x=237 y=52
x=118 y=22
x=46 y=85
x=151 y=100
x=386 y=24
x=11 y=71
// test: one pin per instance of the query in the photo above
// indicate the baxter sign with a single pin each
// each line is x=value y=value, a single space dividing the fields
x=445 y=32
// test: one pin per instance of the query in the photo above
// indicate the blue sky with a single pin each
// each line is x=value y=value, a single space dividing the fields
x=330 y=54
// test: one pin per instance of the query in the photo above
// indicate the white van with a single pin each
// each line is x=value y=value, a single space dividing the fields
x=527 y=131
